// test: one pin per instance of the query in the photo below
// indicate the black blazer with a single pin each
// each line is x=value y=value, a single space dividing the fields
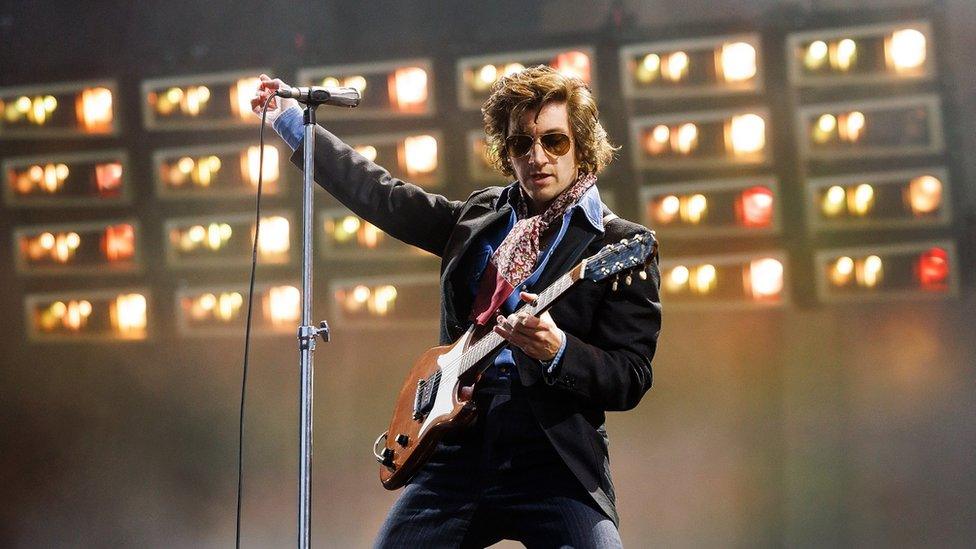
x=611 y=335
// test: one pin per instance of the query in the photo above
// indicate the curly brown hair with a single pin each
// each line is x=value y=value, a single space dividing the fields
x=531 y=88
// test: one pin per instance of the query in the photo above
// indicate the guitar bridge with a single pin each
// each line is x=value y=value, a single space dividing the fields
x=426 y=395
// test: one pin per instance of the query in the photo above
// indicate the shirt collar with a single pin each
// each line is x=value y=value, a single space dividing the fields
x=590 y=204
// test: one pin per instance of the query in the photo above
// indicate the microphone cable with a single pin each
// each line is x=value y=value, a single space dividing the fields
x=247 y=328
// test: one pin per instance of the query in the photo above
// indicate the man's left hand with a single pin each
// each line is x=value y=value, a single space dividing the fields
x=537 y=336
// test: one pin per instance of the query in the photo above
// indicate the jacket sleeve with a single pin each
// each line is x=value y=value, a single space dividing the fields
x=402 y=210
x=610 y=367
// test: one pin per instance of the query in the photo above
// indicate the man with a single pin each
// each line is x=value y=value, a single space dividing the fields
x=534 y=466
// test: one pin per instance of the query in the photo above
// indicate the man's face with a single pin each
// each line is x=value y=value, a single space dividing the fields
x=542 y=174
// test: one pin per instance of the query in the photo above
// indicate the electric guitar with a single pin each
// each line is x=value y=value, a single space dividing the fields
x=430 y=403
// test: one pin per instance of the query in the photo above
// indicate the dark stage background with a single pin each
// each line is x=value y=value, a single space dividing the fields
x=807 y=425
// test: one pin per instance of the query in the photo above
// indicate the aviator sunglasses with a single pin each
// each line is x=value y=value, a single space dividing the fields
x=556 y=144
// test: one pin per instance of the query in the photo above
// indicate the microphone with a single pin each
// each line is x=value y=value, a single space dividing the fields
x=340 y=97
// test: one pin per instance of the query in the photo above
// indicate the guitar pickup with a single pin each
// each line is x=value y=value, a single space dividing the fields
x=426 y=394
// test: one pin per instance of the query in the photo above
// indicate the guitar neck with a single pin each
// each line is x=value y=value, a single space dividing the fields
x=490 y=343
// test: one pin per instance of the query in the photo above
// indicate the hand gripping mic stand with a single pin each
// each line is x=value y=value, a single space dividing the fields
x=307 y=333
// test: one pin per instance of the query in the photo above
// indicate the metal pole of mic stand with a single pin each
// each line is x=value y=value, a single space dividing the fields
x=306 y=340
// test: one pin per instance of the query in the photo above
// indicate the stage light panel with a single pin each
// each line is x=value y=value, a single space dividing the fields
x=205 y=311
x=696 y=67
x=401 y=88
x=416 y=157
x=908 y=270
x=745 y=280
x=216 y=171
x=109 y=315
x=348 y=237
x=891 y=199
x=212 y=101
x=476 y=75
x=63 y=109
x=876 y=128
x=224 y=240
x=67 y=180
x=700 y=139
x=728 y=207
x=889 y=52
x=396 y=301
x=101 y=248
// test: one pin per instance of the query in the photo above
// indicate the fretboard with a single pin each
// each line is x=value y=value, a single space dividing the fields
x=489 y=343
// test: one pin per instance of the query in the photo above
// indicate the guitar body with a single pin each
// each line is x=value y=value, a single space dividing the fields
x=427 y=408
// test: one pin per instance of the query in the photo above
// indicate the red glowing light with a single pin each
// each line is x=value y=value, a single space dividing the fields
x=108 y=178
x=932 y=269
x=119 y=242
x=573 y=63
x=754 y=207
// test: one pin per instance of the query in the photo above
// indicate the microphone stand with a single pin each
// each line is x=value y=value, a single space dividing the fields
x=307 y=335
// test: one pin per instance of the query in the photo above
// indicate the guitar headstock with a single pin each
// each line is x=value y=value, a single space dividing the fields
x=626 y=255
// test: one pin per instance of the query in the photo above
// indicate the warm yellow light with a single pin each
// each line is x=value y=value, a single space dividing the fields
x=648 y=68
x=331 y=82
x=924 y=194
x=816 y=55
x=46 y=240
x=656 y=142
x=129 y=314
x=420 y=154
x=283 y=305
x=367 y=151
x=274 y=239
x=486 y=76
x=667 y=209
x=195 y=100
x=905 y=50
x=747 y=134
x=383 y=300
x=675 y=66
x=241 y=95
x=695 y=208
x=834 y=201
x=677 y=278
x=370 y=235
x=408 y=88
x=845 y=55
x=251 y=164
x=574 y=64
x=350 y=224
x=704 y=280
x=513 y=68
x=827 y=123
x=852 y=126
x=870 y=272
x=861 y=201
x=738 y=61
x=765 y=278
x=360 y=294
x=228 y=305
x=358 y=82
x=685 y=139
x=94 y=110
x=840 y=271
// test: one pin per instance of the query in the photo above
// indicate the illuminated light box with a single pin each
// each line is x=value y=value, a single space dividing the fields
x=475 y=75
x=388 y=89
x=347 y=236
x=212 y=101
x=872 y=54
x=876 y=128
x=395 y=301
x=705 y=66
x=727 y=207
x=415 y=157
x=216 y=171
x=101 y=248
x=905 y=198
x=59 y=110
x=479 y=166
x=700 y=139
x=866 y=273
x=67 y=180
x=110 y=315
x=744 y=280
x=221 y=310
x=221 y=240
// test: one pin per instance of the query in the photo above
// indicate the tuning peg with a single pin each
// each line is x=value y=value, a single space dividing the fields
x=642 y=274
x=613 y=287
x=628 y=280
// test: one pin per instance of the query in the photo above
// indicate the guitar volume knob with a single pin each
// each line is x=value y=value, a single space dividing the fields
x=402 y=439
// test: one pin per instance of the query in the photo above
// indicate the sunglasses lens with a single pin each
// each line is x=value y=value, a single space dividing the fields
x=518 y=145
x=555 y=143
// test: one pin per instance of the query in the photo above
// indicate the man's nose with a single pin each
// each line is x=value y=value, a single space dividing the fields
x=537 y=154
